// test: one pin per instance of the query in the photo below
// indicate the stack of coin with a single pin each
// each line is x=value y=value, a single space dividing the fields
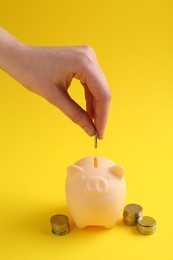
x=131 y=213
x=146 y=225
x=60 y=225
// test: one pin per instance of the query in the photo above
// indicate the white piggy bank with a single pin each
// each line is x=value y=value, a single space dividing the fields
x=95 y=192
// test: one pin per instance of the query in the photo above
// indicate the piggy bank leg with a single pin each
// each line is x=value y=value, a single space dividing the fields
x=109 y=226
x=80 y=225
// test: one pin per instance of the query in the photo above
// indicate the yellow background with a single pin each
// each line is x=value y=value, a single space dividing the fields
x=133 y=41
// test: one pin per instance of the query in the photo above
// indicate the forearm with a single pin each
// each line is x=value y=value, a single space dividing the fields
x=11 y=52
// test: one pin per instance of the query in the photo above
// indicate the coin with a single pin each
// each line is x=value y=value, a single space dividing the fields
x=60 y=224
x=95 y=139
x=146 y=225
x=131 y=213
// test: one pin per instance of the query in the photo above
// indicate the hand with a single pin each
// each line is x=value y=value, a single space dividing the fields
x=48 y=71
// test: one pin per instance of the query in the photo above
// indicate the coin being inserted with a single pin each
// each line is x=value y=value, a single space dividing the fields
x=146 y=225
x=131 y=213
x=60 y=224
x=95 y=139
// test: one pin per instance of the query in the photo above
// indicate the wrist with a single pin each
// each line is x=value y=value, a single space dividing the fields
x=12 y=52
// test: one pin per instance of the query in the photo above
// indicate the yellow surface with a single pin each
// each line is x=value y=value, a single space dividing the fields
x=133 y=41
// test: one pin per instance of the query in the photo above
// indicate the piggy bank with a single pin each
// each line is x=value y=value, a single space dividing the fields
x=95 y=192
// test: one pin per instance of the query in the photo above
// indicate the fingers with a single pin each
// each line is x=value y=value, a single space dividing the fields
x=99 y=104
x=80 y=63
x=97 y=91
x=89 y=101
x=98 y=109
x=72 y=110
x=101 y=110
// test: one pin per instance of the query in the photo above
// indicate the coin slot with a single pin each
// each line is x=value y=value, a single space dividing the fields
x=95 y=162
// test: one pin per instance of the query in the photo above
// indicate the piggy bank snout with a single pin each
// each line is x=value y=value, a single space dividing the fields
x=96 y=184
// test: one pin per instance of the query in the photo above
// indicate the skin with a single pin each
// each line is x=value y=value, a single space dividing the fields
x=48 y=72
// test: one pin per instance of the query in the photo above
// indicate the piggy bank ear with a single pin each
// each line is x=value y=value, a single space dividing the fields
x=117 y=170
x=73 y=170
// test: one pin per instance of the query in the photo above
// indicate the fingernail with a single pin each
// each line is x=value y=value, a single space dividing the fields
x=89 y=131
x=101 y=135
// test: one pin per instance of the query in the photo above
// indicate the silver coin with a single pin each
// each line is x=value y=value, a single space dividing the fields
x=131 y=213
x=146 y=225
x=60 y=224
x=146 y=221
x=95 y=139
x=132 y=209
